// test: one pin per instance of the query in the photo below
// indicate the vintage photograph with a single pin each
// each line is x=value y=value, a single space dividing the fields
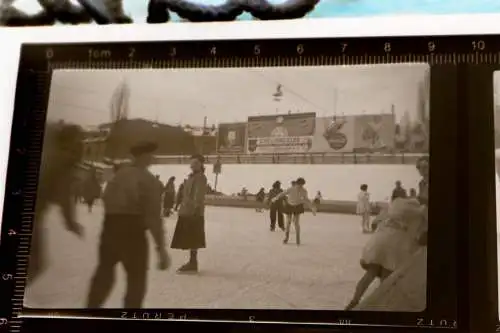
x=496 y=87
x=235 y=188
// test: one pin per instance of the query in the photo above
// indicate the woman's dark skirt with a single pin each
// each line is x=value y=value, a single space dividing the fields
x=293 y=209
x=189 y=233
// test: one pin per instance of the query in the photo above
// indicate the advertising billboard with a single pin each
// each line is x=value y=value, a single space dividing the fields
x=334 y=135
x=374 y=132
x=288 y=133
x=231 y=138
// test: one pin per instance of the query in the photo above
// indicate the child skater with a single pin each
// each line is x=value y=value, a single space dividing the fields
x=363 y=208
x=296 y=199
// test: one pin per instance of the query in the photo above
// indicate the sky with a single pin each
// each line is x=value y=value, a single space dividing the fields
x=186 y=96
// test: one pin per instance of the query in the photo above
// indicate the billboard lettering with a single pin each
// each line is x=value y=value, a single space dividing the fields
x=290 y=133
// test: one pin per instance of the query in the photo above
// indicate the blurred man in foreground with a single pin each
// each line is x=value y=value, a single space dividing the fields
x=132 y=204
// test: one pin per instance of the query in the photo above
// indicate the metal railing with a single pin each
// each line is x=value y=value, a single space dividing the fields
x=305 y=158
x=313 y=158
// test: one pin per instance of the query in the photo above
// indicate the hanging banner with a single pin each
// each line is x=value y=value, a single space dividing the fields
x=231 y=138
x=289 y=133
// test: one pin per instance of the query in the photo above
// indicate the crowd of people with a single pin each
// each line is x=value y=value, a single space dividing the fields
x=132 y=207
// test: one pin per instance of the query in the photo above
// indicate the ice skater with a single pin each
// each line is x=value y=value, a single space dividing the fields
x=393 y=244
x=259 y=198
x=399 y=191
x=317 y=199
x=179 y=197
x=61 y=154
x=297 y=197
x=422 y=166
x=276 y=207
x=132 y=206
x=363 y=208
x=169 y=197
x=190 y=229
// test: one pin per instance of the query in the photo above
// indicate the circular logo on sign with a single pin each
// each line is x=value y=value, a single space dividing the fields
x=279 y=132
x=337 y=140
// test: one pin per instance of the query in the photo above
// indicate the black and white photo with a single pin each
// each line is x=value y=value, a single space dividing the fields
x=271 y=188
x=496 y=87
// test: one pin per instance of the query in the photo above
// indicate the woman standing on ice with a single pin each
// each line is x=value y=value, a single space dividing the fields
x=189 y=231
x=363 y=208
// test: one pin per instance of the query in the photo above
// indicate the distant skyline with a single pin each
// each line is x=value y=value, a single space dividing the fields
x=186 y=96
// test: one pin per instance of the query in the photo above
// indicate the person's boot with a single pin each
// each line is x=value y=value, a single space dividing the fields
x=190 y=267
x=297 y=239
